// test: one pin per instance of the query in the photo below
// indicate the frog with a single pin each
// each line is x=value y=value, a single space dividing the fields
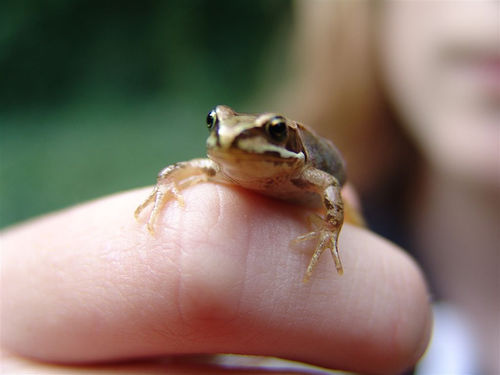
x=270 y=154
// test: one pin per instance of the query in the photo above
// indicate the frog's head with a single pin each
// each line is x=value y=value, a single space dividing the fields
x=253 y=146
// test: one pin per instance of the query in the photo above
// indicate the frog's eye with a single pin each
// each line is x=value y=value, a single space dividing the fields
x=211 y=119
x=277 y=129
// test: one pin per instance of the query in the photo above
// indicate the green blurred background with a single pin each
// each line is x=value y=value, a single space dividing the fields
x=98 y=96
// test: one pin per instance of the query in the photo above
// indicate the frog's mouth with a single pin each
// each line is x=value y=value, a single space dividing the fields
x=252 y=147
x=238 y=156
x=243 y=166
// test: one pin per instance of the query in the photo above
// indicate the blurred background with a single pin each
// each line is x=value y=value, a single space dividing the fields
x=98 y=96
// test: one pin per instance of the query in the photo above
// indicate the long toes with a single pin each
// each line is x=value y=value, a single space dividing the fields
x=304 y=237
x=320 y=248
x=336 y=259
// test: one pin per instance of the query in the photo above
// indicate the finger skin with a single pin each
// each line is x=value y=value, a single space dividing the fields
x=91 y=284
x=14 y=365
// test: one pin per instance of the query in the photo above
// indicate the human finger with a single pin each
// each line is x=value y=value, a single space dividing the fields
x=91 y=284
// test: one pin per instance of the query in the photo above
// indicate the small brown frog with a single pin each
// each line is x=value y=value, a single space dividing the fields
x=272 y=155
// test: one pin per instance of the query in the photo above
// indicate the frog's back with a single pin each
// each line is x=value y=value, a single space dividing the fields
x=322 y=154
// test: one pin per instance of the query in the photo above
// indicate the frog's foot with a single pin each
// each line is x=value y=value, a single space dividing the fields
x=160 y=195
x=171 y=181
x=327 y=238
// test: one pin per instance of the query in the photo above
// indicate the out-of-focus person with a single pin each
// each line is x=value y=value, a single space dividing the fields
x=410 y=91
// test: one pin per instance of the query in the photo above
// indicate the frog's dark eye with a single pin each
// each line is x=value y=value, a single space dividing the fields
x=211 y=119
x=277 y=129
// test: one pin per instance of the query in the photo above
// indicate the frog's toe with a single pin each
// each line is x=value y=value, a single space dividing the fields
x=335 y=254
x=315 y=223
x=304 y=237
x=151 y=227
x=321 y=245
x=174 y=190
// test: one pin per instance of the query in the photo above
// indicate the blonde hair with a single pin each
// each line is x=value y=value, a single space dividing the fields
x=335 y=87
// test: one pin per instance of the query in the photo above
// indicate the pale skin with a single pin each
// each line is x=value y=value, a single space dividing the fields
x=445 y=81
x=90 y=284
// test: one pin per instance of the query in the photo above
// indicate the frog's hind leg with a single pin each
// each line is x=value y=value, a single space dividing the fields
x=326 y=240
x=334 y=250
x=326 y=230
x=321 y=245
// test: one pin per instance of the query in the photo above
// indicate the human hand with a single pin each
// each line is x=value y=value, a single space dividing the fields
x=90 y=285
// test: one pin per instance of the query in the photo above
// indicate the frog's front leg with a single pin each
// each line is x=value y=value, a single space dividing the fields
x=327 y=229
x=171 y=180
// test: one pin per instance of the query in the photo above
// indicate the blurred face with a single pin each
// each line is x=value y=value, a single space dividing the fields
x=441 y=62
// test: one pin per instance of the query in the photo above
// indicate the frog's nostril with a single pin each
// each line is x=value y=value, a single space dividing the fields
x=224 y=112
